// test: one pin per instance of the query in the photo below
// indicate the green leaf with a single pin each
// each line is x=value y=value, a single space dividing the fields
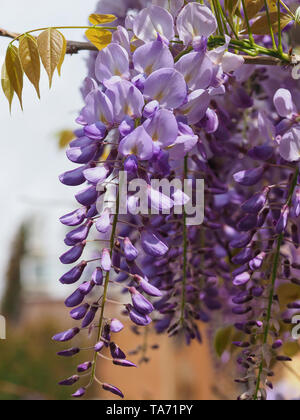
x=98 y=19
x=222 y=339
x=30 y=60
x=14 y=71
x=101 y=38
x=7 y=86
x=51 y=44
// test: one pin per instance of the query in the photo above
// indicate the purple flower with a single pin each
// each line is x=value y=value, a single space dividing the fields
x=105 y=260
x=98 y=108
x=74 y=177
x=79 y=393
x=90 y=316
x=162 y=127
x=73 y=254
x=116 y=352
x=80 y=312
x=96 y=175
x=70 y=381
x=138 y=318
x=83 y=367
x=124 y=363
x=116 y=325
x=195 y=21
x=69 y=353
x=126 y=99
x=99 y=346
x=88 y=196
x=249 y=177
x=167 y=86
x=103 y=223
x=112 y=62
x=152 y=244
x=140 y=303
x=74 y=274
x=154 y=21
x=151 y=57
x=97 y=276
x=112 y=389
x=197 y=70
x=131 y=253
x=75 y=218
x=149 y=288
x=74 y=299
x=196 y=106
x=137 y=143
x=66 y=335
x=283 y=103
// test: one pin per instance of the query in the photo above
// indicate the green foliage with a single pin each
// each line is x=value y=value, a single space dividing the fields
x=29 y=367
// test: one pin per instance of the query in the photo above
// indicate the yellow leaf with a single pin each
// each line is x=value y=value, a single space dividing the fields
x=14 y=71
x=222 y=339
x=288 y=293
x=291 y=348
x=253 y=7
x=51 y=46
x=97 y=19
x=65 y=136
x=30 y=60
x=261 y=25
x=63 y=55
x=6 y=86
x=101 y=38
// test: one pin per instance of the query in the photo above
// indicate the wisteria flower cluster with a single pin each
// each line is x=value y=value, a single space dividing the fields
x=166 y=101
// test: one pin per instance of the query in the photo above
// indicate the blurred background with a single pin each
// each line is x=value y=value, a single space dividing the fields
x=31 y=240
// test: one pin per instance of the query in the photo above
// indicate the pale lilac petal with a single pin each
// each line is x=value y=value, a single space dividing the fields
x=180 y=198
x=283 y=102
x=96 y=175
x=162 y=128
x=197 y=70
x=195 y=20
x=106 y=260
x=172 y=6
x=159 y=201
x=121 y=37
x=153 y=21
x=151 y=57
x=232 y=62
x=167 y=86
x=98 y=108
x=289 y=146
x=112 y=61
x=137 y=143
x=196 y=107
x=265 y=126
x=152 y=244
x=103 y=223
x=127 y=100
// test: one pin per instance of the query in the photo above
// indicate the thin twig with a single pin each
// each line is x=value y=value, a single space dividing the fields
x=73 y=47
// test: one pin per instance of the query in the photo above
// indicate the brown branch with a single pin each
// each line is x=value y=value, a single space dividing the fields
x=74 y=47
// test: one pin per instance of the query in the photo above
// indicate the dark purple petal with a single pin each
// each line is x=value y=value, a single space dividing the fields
x=113 y=390
x=66 y=335
x=70 y=381
x=74 y=274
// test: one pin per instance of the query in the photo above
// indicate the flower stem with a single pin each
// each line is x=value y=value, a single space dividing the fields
x=106 y=284
x=185 y=249
x=248 y=23
x=273 y=281
x=280 y=49
x=270 y=25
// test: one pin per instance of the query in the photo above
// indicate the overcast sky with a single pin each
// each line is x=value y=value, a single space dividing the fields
x=30 y=159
